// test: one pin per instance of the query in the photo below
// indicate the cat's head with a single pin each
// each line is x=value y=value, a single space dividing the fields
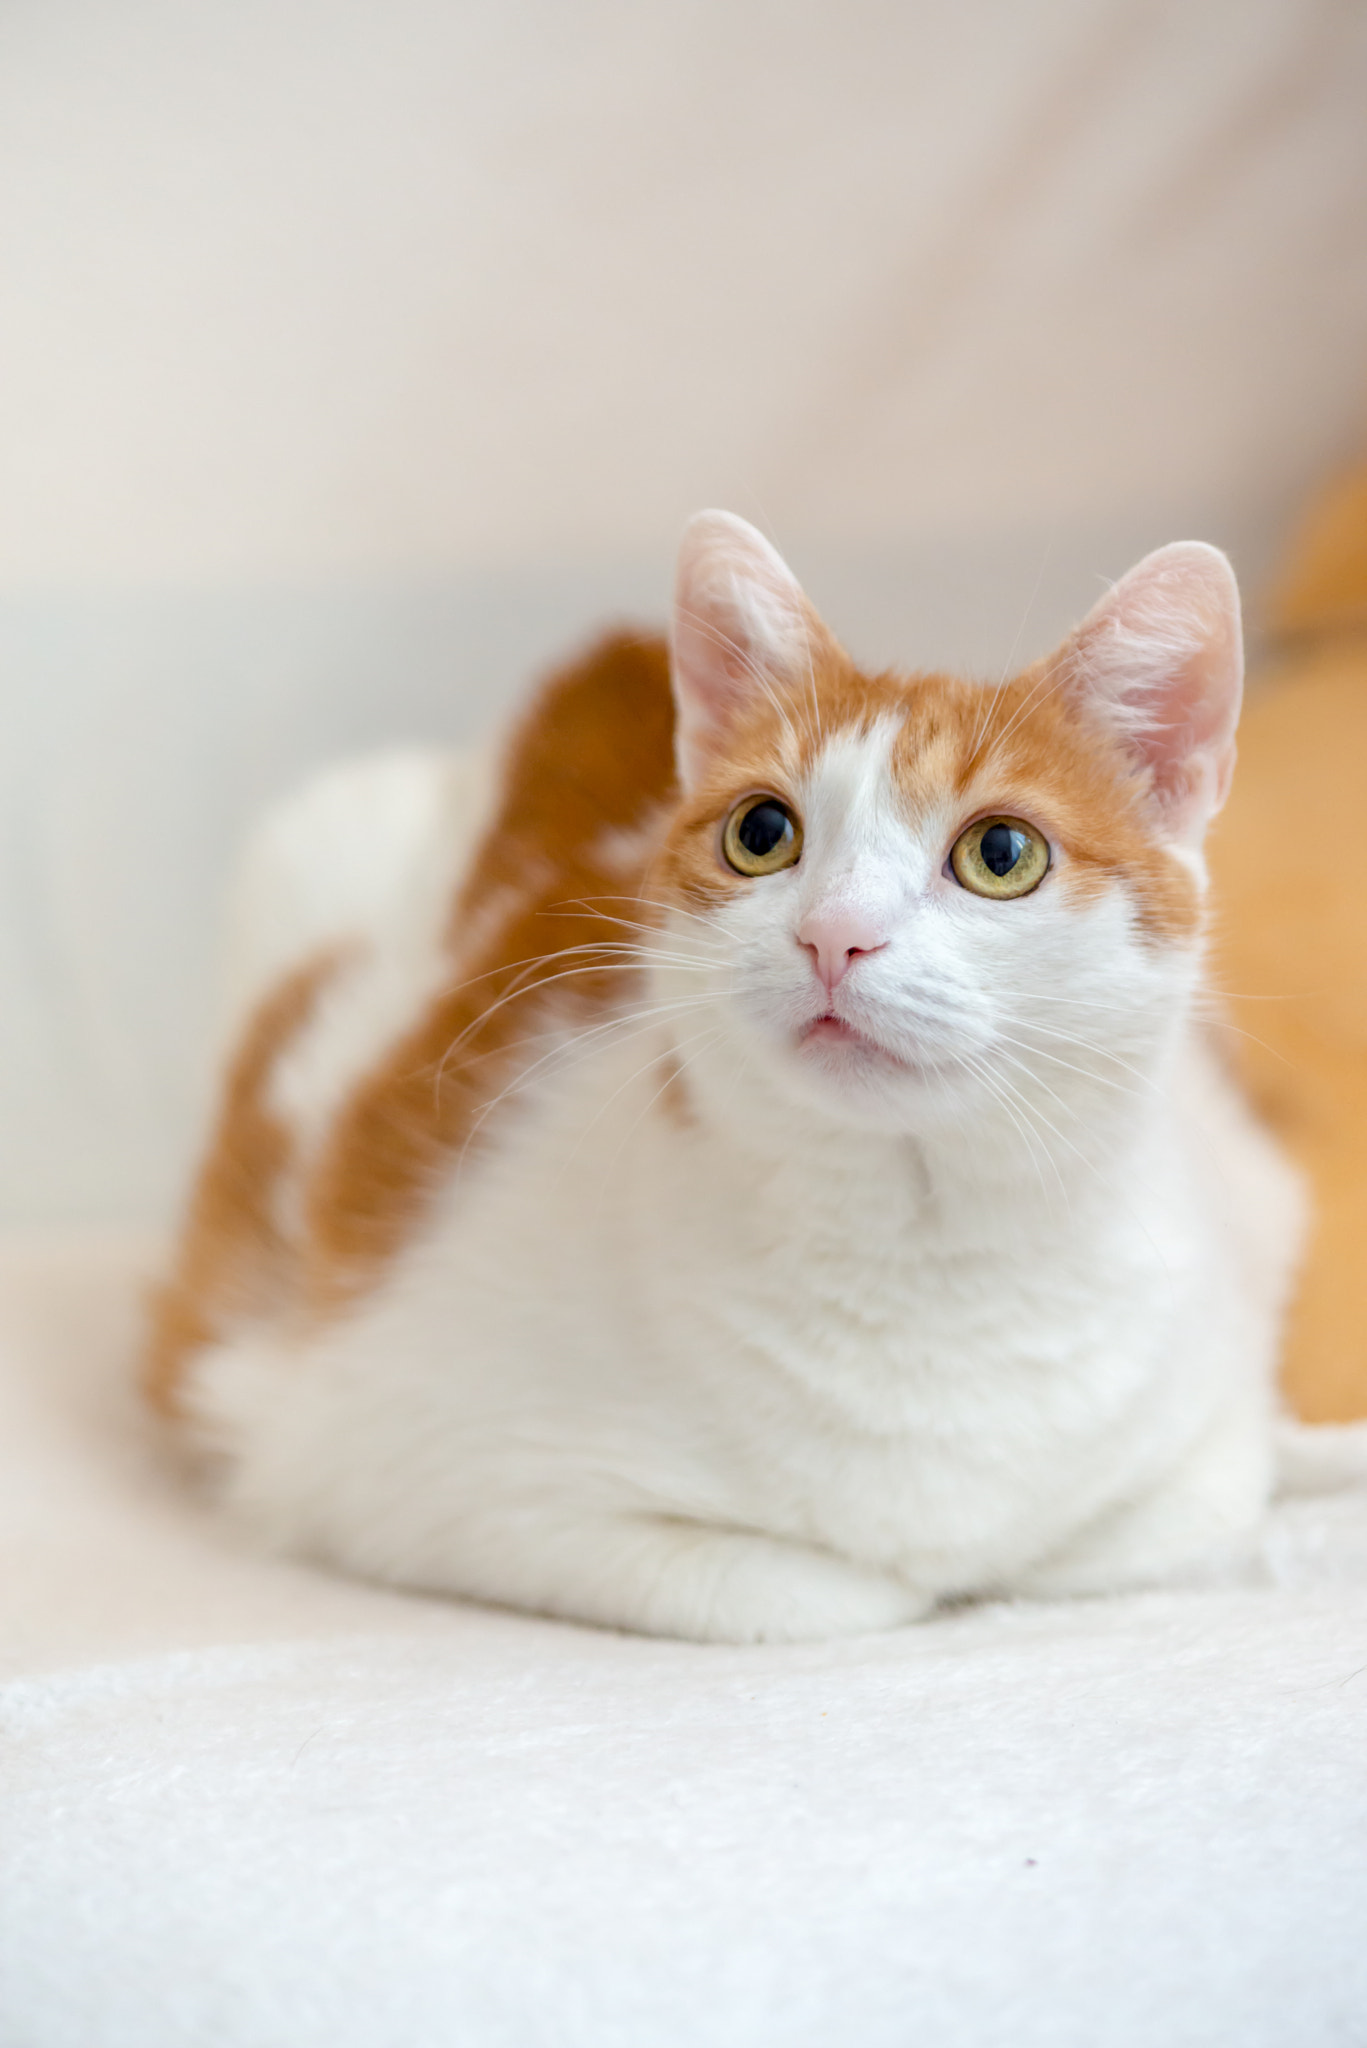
x=907 y=894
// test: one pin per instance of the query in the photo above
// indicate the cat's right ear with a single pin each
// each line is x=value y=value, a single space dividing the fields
x=1160 y=661
x=741 y=626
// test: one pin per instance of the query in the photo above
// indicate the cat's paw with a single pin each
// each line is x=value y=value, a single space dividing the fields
x=725 y=1587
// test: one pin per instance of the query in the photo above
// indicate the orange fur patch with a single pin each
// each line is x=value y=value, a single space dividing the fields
x=590 y=767
x=233 y=1260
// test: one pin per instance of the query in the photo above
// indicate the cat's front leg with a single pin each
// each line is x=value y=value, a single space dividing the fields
x=675 y=1577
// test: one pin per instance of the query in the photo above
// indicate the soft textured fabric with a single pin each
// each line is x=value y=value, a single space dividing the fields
x=248 y=1805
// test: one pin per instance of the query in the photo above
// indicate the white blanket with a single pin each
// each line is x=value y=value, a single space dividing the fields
x=248 y=1805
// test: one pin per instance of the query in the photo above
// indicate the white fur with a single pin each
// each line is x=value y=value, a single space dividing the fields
x=361 y=864
x=993 y=1310
x=366 y=850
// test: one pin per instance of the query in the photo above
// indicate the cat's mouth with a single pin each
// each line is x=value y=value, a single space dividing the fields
x=833 y=1033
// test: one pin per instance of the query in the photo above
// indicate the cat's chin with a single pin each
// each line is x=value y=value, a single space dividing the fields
x=837 y=1047
x=844 y=1069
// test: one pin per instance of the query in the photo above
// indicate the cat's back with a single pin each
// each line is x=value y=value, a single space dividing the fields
x=395 y=926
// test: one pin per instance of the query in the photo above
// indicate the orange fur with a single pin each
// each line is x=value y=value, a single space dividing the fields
x=233 y=1259
x=592 y=757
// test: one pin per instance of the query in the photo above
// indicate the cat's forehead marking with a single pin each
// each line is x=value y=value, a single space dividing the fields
x=847 y=781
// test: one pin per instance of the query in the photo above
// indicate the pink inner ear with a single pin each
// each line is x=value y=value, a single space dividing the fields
x=1160 y=659
x=741 y=624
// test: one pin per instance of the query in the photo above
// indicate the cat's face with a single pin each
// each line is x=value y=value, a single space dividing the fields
x=904 y=896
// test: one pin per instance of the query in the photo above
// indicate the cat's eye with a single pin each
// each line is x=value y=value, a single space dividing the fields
x=1000 y=857
x=761 y=836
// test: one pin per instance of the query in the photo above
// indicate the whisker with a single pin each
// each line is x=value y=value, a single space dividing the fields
x=529 y=988
x=980 y=1070
x=1055 y=675
x=567 y=1038
x=525 y=1076
x=653 y=903
x=1084 y=1045
x=1000 y=1050
x=981 y=726
x=1028 y=1108
x=532 y=961
x=709 y=1038
x=1120 y=1196
x=1070 y=1066
x=1225 y=1024
x=758 y=675
x=629 y=924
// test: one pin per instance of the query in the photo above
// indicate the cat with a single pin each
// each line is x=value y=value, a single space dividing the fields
x=749 y=1162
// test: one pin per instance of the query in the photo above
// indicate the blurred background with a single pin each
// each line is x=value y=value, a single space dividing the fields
x=357 y=357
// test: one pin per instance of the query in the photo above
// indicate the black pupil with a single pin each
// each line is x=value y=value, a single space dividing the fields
x=762 y=829
x=1001 y=846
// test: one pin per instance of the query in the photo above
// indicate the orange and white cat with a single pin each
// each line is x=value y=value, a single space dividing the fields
x=747 y=1163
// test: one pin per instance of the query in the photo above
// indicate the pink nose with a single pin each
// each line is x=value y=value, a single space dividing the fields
x=835 y=940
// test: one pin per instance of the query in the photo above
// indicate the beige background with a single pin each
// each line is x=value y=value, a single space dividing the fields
x=316 y=288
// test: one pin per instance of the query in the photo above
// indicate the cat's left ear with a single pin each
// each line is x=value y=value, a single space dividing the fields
x=1161 y=661
x=742 y=628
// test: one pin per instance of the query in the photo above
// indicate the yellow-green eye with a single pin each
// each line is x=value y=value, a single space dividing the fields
x=761 y=836
x=1000 y=857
